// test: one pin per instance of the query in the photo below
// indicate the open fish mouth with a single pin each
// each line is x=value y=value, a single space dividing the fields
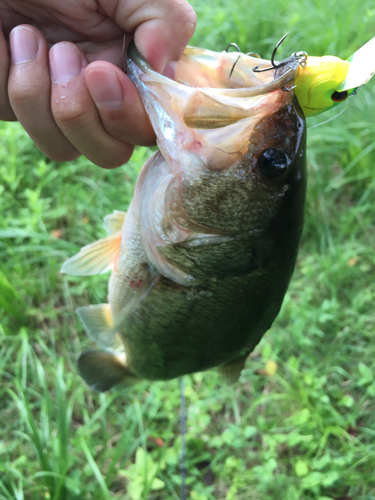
x=222 y=87
x=209 y=110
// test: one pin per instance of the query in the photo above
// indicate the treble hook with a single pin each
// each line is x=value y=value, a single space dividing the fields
x=254 y=54
x=274 y=66
x=300 y=56
x=232 y=45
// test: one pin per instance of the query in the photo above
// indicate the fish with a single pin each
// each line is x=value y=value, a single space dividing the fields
x=201 y=261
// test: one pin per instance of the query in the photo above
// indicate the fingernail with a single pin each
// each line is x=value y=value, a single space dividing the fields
x=24 y=44
x=105 y=89
x=65 y=62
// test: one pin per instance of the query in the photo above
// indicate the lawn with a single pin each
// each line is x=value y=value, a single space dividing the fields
x=306 y=432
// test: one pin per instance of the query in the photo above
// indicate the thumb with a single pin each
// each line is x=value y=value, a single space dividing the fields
x=161 y=28
x=163 y=40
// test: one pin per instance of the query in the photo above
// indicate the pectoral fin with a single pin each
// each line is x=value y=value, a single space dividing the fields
x=113 y=222
x=98 y=324
x=216 y=256
x=96 y=258
x=102 y=370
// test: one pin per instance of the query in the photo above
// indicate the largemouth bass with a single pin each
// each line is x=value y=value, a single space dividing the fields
x=202 y=259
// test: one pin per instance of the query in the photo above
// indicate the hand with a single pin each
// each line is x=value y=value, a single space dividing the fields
x=73 y=99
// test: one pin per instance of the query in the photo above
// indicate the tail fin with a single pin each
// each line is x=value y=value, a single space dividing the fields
x=101 y=370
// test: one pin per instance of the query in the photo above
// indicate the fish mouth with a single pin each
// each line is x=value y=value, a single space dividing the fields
x=212 y=90
x=210 y=108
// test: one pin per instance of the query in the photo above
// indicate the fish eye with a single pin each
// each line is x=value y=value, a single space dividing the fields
x=339 y=96
x=272 y=163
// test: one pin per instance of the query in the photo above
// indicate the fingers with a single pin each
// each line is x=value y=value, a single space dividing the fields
x=50 y=98
x=29 y=88
x=69 y=107
x=121 y=111
x=75 y=112
x=6 y=112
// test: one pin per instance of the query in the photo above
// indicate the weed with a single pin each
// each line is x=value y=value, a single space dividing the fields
x=304 y=432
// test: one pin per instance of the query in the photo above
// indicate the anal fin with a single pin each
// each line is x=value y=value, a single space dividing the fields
x=96 y=258
x=102 y=370
x=98 y=324
x=232 y=371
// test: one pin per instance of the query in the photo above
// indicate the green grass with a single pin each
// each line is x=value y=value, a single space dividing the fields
x=308 y=432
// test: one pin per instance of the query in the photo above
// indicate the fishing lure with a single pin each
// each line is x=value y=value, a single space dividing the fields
x=323 y=82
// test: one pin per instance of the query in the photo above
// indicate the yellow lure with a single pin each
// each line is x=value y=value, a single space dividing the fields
x=324 y=82
x=317 y=83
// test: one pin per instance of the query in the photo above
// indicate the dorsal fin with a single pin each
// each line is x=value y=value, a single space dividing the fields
x=113 y=222
x=96 y=258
